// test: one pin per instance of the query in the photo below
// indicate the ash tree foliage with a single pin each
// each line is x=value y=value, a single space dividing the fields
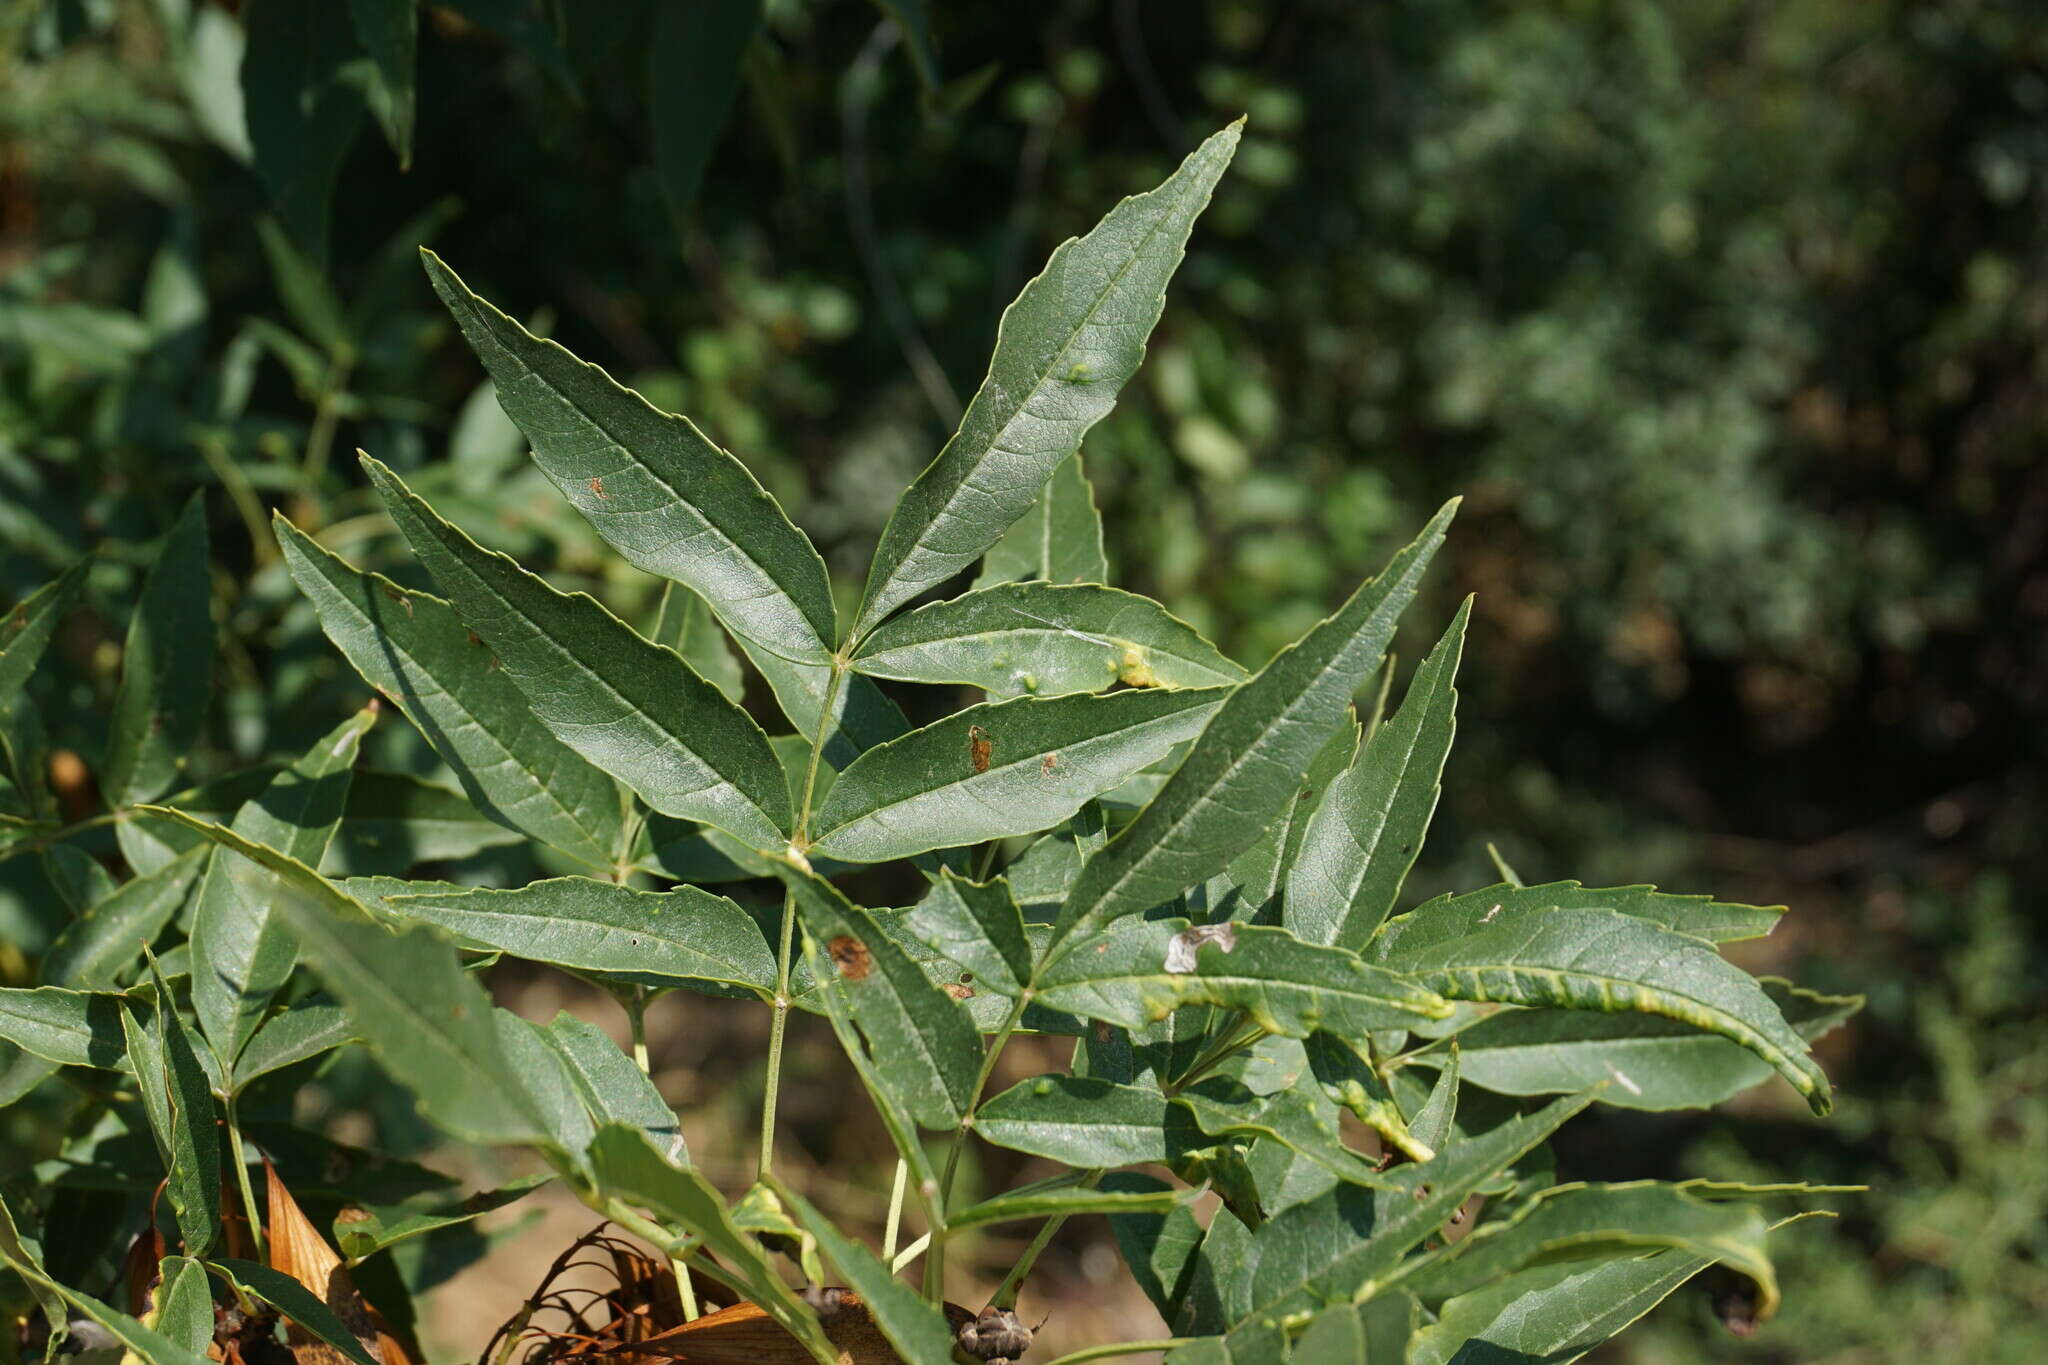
x=1189 y=866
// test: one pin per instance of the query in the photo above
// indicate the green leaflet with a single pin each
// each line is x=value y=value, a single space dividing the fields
x=977 y=926
x=694 y=58
x=426 y=1020
x=242 y=953
x=861 y=718
x=627 y=1164
x=1647 y=1061
x=1064 y=1200
x=1349 y=1080
x=1363 y=838
x=662 y=494
x=926 y=1049
x=1603 y=961
x=1058 y=541
x=1435 y=1121
x=614 y=1090
x=1368 y=1333
x=1063 y=352
x=1225 y=1107
x=166 y=668
x=1247 y=764
x=191 y=1134
x=1141 y=971
x=389 y=32
x=1553 y=1313
x=184 y=1305
x=999 y=769
x=97 y=946
x=632 y=708
x=1257 y=874
x=394 y=821
x=147 y=1343
x=684 y=623
x=1450 y=918
x=652 y=937
x=1354 y=1238
x=291 y=1037
x=71 y=1028
x=296 y=1302
x=1579 y=1220
x=25 y=631
x=1085 y=1122
x=1158 y=1247
x=918 y=1329
x=411 y=647
x=372 y=1228
x=1045 y=640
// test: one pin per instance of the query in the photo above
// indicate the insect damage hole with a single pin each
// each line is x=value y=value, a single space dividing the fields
x=851 y=957
x=1183 y=947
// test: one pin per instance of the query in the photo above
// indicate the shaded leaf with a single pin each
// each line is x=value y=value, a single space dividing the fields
x=614 y=1090
x=242 y=952
x=1452 y=917
x=977 y=926
x=693 y=70
x=184 y=1304
x=296 y=1302
x=1064 y=1201
x=100 y=944
x=291 y=1037
x=1552 y=1313
x=1063 y=352
x=362 y=1231
x=149 y=1344
x=193 y=1135
x=685 y=624
x=71 y=1028
x=166 y=668
x=1085 y=1122
x=389 y=32
x=25 y=630
x=918 y=1329
x=303 y=108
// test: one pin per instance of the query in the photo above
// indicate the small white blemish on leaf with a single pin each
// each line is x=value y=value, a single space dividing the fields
x=1622 y=1076
x=1183 y=946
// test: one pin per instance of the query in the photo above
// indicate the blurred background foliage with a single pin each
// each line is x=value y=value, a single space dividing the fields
x=1726 y=317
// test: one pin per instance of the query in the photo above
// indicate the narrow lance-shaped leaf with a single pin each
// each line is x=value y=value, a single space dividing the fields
x=1354 y=1238
x=631 y=707
x=1045 y=640
x=654 y=937
x=1553 y=1313
x=1085 y=1122
x=1649 y=1062
x=389 y=32
x=613 y=1088
x=1349 y=1080
x=978 y=926
x=290 y=1037
x=1365 y=835
x=1246 y=766
x=145 y=1342
x=684 y=623
x=653 y=485
x=1065 y=1200
x=425 y=1019
x=109 y=936
x=695 y=54
x=1602 y=961
x=193 y=1136
x=166 y=668
x=1063 y=352
x=1141 y=971
x=1058 y=541
x=1451 y=917
x=411 y=647
x=999 y=769
x=242 y=953
x=72 y=1028
x=295 y=1302
x=926 y=1048
x=25 y=631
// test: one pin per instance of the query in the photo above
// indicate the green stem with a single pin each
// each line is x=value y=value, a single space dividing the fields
x=988 y=859
x=1006 y=1292
x=242 y=1175
x=895 y=1210
x=636 y=1015
x=326 y=416
x=803 y=813
x=935 y=1258
x=1234 y=1039
x=58 y=836
x=1120 y=1348
x=771 y=1092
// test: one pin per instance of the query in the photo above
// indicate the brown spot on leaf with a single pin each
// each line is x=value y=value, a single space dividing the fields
x=958 y=991
x=400 y=598
x=1047 y=764
x=979 y=748
x=597 y=489
x=851 y=956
